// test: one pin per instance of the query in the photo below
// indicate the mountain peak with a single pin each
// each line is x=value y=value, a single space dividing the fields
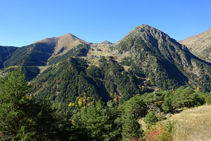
x=70 y=36
x=106 y=42
x=146 y=32
x=144 y=26
x=51 y=40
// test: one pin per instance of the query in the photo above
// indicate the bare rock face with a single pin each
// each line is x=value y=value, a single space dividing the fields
x=199 y=45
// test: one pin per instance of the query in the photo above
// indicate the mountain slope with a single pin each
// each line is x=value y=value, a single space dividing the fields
x=5 y=53
x=41 y=52
x=197 y=129
x=66 y=43
x=31 y=55
x=200 y=45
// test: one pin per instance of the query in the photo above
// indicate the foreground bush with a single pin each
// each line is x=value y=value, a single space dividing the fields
x=208 y=99
x=159 y=132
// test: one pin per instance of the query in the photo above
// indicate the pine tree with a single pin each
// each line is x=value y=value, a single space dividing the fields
x=132 y=110
x=130 y=128
x=102 y=123
x=22 y=117
x=14 y=92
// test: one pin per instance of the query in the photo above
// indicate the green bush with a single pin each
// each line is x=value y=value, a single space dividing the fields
x=150 y=119
x=159 y=132
x=208 y=99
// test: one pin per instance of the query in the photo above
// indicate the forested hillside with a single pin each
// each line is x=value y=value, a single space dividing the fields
x=31 y=55
x=73 y=80
x=5 y=53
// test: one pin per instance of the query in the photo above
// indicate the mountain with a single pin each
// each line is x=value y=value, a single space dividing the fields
x=162 y=58
x=106 y=42
x=41 y=52
x=145 y=60
x=200 y=45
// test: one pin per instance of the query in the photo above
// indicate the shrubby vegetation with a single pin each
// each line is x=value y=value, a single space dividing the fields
x=159 y=132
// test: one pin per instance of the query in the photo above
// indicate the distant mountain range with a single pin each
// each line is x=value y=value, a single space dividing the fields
x=200 y=45
x=66 y=68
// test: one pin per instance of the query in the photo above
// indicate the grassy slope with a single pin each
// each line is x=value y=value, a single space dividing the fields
x=193 y=124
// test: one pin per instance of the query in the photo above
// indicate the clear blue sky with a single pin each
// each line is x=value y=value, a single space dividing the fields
x=23 y=22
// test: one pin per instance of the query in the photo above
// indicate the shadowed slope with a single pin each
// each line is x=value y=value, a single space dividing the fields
x=5 y=53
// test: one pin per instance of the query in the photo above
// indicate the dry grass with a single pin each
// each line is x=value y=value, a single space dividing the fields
x=126 y=67
x=94 y=62
x=42 y=68
x=97 y=50
x=193 y=124
x=66 y=42
x=104 y=50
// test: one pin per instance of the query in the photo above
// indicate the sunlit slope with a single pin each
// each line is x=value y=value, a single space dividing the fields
x=200 y=45
x=193 y=124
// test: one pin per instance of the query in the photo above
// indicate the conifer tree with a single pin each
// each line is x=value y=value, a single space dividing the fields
x=102 y=123
x=132 y=109
x=22 y=117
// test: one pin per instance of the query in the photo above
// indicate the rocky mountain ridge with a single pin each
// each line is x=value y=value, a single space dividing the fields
x=200 y=45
